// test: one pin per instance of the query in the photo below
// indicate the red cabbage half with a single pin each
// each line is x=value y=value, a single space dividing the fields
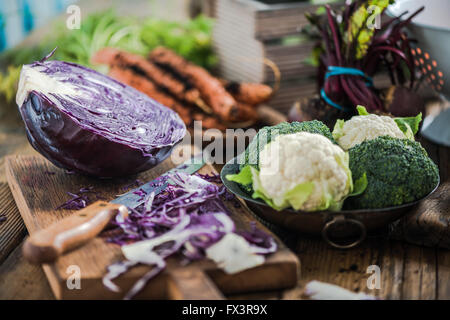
x=84 y=121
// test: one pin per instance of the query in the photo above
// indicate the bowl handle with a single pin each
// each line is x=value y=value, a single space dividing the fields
x=340 y=219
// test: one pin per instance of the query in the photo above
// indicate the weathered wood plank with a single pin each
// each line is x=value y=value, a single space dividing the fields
x=269 y=295
x=419 y=280
x=345 y=268
x=22 y=280
x=12 y=230
x=443 y=274
x=407 y=271
x=390 y=260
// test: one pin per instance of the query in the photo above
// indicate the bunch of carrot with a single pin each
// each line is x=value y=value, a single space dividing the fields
x=188 y=89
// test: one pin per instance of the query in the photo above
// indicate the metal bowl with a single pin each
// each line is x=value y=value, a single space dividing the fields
x=341 y=229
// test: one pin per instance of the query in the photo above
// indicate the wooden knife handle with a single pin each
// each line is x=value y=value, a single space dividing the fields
x=192 y=284
x=48 y=244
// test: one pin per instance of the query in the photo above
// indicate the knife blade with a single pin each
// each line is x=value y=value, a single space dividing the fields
x=133 y=199
x=46 y=245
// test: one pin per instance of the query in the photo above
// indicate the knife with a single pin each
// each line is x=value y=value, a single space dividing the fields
x=46 y=245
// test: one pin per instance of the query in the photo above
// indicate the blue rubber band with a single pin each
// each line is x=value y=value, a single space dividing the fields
x=330 y=102
x=337 y=71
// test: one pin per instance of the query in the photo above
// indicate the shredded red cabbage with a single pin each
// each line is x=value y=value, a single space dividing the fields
x=215 y=178
x=79 y=201
x=259 y=238
x=187 y=218
x=134 y=184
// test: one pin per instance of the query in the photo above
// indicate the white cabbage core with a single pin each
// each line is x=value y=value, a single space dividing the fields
x=32 y=79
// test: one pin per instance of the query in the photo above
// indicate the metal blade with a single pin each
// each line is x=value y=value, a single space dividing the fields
x=436 y=128
x=133 y=200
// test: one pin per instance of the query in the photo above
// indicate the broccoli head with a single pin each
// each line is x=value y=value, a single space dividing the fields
x=398 y=171
x=267 y=134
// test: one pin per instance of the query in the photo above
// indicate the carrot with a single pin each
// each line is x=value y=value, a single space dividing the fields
x=178 y=87
x=209 y=122
x=104 y=56
x=210 y=88
x=149 y=88
x=245 y=112
x=144 y=85
x=249 y=93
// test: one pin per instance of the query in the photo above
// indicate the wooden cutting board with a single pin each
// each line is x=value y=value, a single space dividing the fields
x=39 y=187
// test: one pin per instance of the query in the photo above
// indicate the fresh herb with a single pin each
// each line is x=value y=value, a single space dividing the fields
x=8 y=82
x=191 y=40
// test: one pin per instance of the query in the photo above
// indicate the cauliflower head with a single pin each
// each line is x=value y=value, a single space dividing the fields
x=362 y=128
x=268 y=133
x=367 y=126
x=304 y=171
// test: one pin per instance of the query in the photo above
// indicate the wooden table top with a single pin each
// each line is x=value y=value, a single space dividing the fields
x=407 y=271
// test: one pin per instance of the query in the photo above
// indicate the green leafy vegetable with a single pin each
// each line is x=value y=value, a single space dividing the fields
x=359 y=186
x=299 y=194
x=293 y=198
x=398 y=171
x=362 y=110
x=348 y=36
x=358 y=26
x=409 y=123
x=258 y=190
x=8 y=82
x=244 y=178
x=191 y=39
x=338 y=130
x=326 y=196
x=267 y=134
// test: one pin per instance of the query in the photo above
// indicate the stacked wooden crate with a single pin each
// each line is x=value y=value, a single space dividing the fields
x=248 y=31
